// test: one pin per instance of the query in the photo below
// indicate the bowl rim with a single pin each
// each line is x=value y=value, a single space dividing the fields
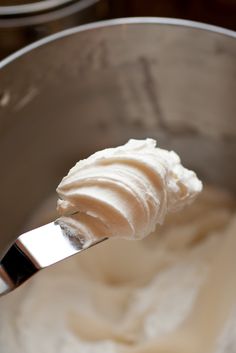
x=117 y=22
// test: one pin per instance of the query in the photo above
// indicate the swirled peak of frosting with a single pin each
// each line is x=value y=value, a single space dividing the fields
x=124 y=191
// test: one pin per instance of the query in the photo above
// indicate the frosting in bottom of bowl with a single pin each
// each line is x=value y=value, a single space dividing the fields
x=172 y=292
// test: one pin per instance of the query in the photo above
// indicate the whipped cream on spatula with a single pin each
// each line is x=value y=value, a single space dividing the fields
x=124 y=191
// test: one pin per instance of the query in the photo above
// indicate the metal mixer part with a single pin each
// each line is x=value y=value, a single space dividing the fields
x=25 y=22
x=31 y=7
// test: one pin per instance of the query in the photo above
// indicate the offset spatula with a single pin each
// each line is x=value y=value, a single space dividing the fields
x=35 y=250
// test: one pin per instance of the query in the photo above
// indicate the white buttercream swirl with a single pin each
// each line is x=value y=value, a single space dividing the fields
x=124 y=191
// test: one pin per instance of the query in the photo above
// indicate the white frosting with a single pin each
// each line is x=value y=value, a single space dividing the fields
x=170 y=293
x=124 y=191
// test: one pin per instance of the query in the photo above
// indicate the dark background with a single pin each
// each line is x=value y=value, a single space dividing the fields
x=217 y=12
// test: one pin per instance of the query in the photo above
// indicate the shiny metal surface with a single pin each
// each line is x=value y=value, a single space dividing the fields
x=35 y=250
x=55 y=11
x=30 y=7
x=25 y=23
x=98 y=85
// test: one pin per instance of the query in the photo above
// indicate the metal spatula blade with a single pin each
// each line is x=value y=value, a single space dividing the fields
x=35 y=250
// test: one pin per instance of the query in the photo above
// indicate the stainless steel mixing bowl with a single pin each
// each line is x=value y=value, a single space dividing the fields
x=99 y=85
